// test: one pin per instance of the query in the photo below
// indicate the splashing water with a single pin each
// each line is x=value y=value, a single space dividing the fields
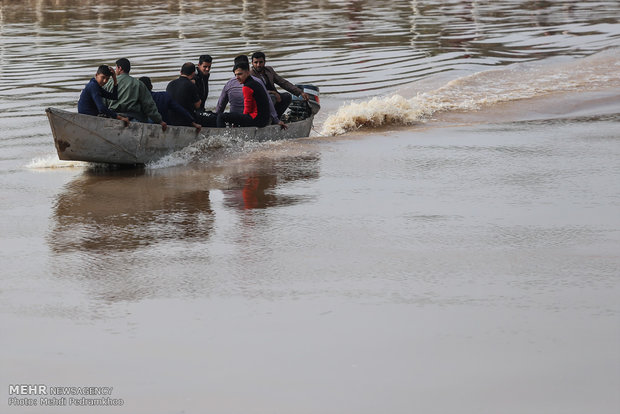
x=52 y=161
x=208 y=150
x=473 y=92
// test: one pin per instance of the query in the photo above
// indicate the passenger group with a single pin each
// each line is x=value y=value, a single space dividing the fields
x=251 y=95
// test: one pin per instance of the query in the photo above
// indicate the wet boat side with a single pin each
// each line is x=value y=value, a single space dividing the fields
x=80 y=137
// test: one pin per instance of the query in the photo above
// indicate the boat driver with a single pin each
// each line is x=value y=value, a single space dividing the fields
x=270 y=78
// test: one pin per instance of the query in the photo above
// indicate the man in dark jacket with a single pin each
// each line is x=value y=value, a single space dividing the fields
x=184 y=92
x=203 y=71
x=91 y=98
x=166 y=106
x=270 y=78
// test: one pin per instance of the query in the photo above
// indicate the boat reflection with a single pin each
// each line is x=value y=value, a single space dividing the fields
x=114 y=211
x=257 y=189
x=254 y=193
x=134 y=234
x=129 y=209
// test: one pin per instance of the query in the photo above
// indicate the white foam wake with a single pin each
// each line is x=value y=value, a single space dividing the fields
x=52 y=161
x=209 y=149
x=472 y=92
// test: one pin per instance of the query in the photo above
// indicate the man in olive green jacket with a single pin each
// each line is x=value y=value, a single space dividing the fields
x=134 y=98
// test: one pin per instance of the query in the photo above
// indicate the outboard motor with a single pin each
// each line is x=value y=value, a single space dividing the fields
x=299 y=109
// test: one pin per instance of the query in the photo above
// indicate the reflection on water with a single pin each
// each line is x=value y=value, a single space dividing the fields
x=118 y=212
x=106 y=211
x=254 y=193
x=163 y=220
x=257 y=190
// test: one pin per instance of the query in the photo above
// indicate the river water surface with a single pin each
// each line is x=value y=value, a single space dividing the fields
x=446 y=241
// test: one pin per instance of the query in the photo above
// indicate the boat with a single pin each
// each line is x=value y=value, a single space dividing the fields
x=80 y=137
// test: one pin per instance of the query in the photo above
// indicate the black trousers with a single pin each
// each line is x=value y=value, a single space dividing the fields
x=285 y=100
x=241 y=120
x=206 y=119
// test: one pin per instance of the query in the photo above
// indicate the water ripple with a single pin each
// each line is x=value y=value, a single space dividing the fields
x=352 y=49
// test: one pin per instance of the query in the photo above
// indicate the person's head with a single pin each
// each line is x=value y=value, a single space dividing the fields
x=204 y=64
x=188 y=70
x=147 y=81
x=241 y=71
x=258 y=61
x=123 y=66
x=242 y=58
x=103 y=74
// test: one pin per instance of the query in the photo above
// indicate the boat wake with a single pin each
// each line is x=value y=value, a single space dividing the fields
x=211 y=149
x=483 y=89
x=51 y=161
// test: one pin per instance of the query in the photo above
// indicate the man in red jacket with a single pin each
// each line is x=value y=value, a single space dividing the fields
x=255 y=102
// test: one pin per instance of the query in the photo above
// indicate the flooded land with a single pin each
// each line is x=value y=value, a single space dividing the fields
x=445 y=242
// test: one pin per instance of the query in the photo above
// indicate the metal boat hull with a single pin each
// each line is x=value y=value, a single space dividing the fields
x=81 y=137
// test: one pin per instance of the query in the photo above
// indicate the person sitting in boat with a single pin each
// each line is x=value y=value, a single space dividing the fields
x=134 y=99
x=91 y=98
x=233 y=94
x=166 y=105
x=183 y=91
x=203 y=71
x=255 y=102
x=271 y=78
